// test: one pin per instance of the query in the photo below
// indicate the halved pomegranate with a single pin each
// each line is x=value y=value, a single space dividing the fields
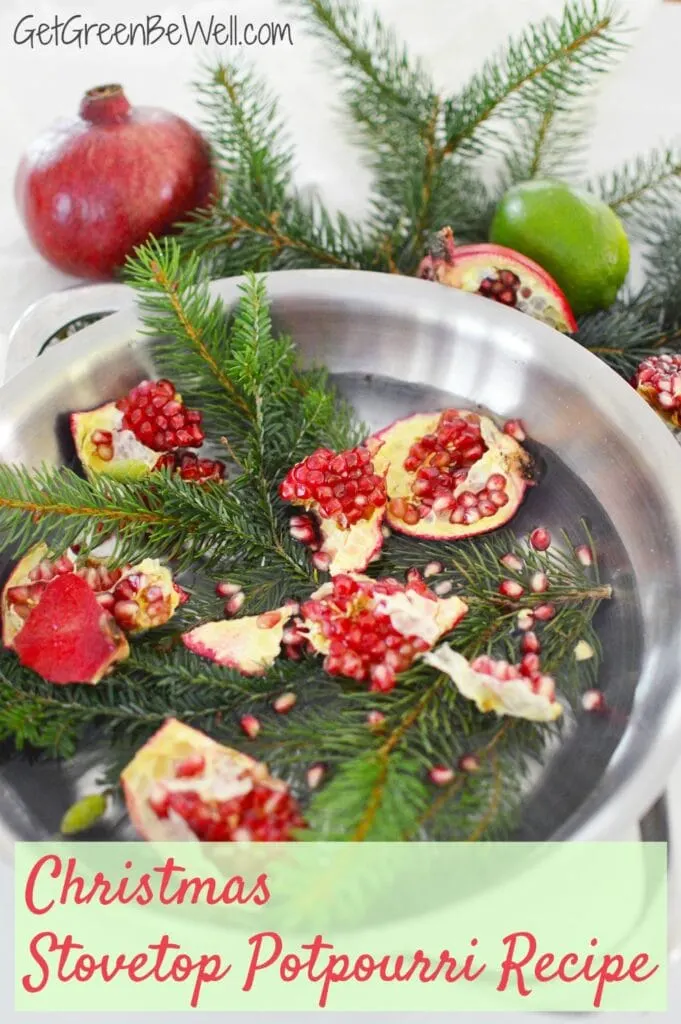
x=450 y=474
x=520 y=691
x=68 y=637
x=250 y=644
x=500 y=274
x=138 y=597
x=370 y=630
x=126 y=439
x=658 y=380
x=348 y=497
x=182 y=785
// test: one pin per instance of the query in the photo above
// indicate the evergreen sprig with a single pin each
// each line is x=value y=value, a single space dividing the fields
x=429 y=154
x=377 y=785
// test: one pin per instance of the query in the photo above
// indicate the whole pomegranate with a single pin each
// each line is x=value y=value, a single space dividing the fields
x=95 y=186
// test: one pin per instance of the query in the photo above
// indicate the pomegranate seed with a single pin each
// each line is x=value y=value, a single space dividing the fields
x=375 y=719
x=468 y=763
x=539 y=582
x=250 y=725
x=433 y=569
x=525 y=619
x=159 y=800
x=440 y=775
x=540 y=539
x=443 y=588
x=511 y=588
x=512 y=562
x=321 y=561
x=529 y=664
x=126 y=614
x=315 y=775
x=544 y=612
x=530 y=644
x=584 y=554
x=227 y=589
x=284 y=703
x=158 y=418
x=235 y=604
x=192 y=765
x=515 y=429
x=593 y=700
x=268 y=620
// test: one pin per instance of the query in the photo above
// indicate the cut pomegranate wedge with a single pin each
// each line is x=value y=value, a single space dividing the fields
x=68 y=637
x=138 y=597
x=182 y=785
x=250 y=644
x=658 y=380
x=500 y=274
x=348 y=498
x=515 y=690
x=370 y=630
x=450 y=474
x=148 y=429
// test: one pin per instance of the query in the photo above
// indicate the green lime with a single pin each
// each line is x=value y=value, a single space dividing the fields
x=571 y=234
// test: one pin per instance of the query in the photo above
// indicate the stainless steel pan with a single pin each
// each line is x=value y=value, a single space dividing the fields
x=396 y=346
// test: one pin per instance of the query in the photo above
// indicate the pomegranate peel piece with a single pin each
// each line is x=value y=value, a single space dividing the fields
x=21 y=585
x=106 y=448
x=139 y=597
x=371 y=630
x=182 y=785
x=658 y=381
x=69 y=637
x=250 y=644
x=347 y=497
x=451 y=474
x=351 y=549
x=500 y=274
x=497 y=686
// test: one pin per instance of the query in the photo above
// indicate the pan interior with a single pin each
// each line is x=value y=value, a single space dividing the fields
x=34 y=799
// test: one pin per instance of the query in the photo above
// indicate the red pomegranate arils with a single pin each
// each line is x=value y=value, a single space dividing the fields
x=440 y=775
x=530 y=643
x=512 y=562
x=540 y=539
x=658 y=380
x=375 y=719
x=443 y=588
x=529 y=664
x=321 y=561
x=525 y=619
x=227 y=589
x=544 y=612
x=250 y=725
x=512 y=589
x=191 y=766
x=268 y=619
x=584 y=555
x=539 y=582
x=315 y=775
x=593 y=700
x=284 y=703
x=338 y=485
x=156 y=415
x=515 y=429
x=235 y=604
x=432 y=569
x=468 y=763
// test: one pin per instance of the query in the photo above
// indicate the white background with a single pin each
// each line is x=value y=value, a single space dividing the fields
x=639 y=106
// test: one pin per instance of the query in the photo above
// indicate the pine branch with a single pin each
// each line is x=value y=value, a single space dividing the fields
x=549 y=54
x=260 y=220
x=646 y=184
